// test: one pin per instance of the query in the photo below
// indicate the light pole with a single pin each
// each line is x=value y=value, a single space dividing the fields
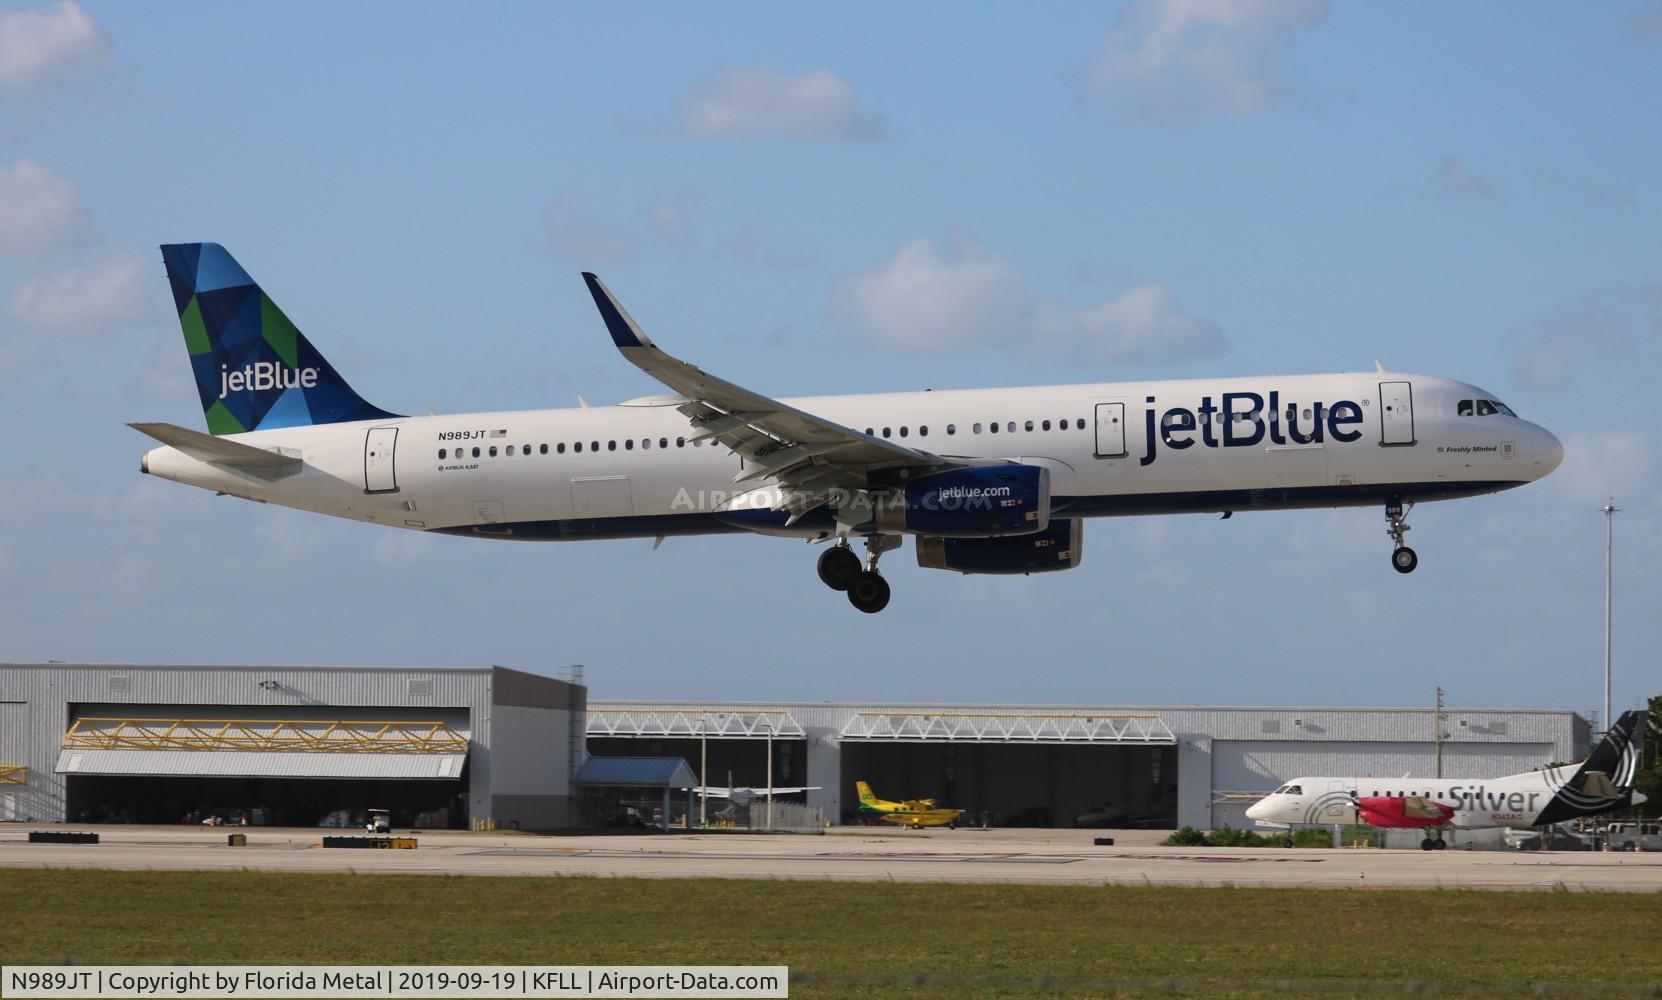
x=770 y=775
x=1609 y=510
x=1437 y=735
x=703 y=767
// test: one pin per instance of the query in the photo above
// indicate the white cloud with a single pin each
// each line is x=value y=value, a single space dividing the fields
x=42 y=41
x=1602 y=464
x=1144 y=323
x=574 y=232
x=673 y=218
x=1454 y=180
x=1547 y=357
x=817 y=104
x=111 y=293
x=39 y=211
x=924 y=299
x=1185 y=58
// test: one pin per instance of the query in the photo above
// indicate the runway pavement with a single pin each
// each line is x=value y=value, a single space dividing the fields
x=1051 y=857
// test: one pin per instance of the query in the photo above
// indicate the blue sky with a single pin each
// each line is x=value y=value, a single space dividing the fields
x=876 y=199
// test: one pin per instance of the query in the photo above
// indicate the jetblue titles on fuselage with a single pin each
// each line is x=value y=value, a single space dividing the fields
x=1246 y=417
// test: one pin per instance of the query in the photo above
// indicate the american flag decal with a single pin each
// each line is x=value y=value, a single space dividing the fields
x=499 y=434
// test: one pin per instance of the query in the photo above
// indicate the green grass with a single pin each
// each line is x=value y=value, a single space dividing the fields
x=851 y=939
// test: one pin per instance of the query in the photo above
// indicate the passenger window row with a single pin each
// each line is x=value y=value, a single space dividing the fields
x=646 y=444
x=992 y=427
x=491 y=451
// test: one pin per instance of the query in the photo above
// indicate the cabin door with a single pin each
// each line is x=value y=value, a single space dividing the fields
x=1396 y=413
x=379 y=476
x=1110 y=430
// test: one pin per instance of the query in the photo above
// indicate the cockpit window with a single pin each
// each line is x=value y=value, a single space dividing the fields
x=1293 y=790
x=1482 y=408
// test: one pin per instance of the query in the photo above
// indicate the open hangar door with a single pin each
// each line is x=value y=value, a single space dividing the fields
x=732 y=744
x=309 y=772
x=1017 y=770
x=1245 y=770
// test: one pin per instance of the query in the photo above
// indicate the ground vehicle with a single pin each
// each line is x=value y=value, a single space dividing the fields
x=380 y=821
x=1634 y=836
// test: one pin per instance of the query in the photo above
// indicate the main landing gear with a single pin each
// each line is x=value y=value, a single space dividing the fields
x=1433 y=842
x=1403 y=558
x=840 y=569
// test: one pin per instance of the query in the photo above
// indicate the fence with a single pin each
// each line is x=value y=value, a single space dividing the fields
x=788 y=817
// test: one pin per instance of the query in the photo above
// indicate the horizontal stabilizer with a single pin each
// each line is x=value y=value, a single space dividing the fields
x=218 y=450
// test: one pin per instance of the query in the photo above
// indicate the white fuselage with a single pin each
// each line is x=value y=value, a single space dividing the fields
x=1111 y=449
x=1513 y=801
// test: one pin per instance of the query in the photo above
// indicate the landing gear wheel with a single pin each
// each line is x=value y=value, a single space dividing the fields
x=838 y=566
x=1428 y=844
x=1403 y=559
x=869 y=592
x=1441 y=843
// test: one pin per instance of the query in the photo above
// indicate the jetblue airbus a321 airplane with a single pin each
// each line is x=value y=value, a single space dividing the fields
x=988 y=480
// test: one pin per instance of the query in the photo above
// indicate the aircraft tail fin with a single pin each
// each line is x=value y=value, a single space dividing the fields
x=1604 y=781
x=1616 y=758
x=866 y=797
x=254 y=369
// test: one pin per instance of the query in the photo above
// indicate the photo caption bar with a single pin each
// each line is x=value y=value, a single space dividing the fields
x=401 y=982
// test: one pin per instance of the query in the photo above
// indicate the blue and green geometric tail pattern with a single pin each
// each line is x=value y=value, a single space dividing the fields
x=254 y=369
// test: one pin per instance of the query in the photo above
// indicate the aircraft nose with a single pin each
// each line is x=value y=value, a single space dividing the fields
x=1257 y=809
x=1549 y=452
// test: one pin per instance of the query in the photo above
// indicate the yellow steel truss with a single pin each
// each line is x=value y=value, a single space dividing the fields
x=13 y=774
x=285 y=735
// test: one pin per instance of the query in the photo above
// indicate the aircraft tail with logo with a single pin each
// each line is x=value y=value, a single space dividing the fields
x=254 y=370
x=1604 y=781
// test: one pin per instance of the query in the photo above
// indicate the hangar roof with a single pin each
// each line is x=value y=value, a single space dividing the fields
x=636 y=772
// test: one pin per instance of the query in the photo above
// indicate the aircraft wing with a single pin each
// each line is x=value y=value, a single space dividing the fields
x=727 y=793
x=808 y=455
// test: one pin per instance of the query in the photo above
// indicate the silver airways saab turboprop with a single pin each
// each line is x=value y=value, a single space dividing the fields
x=1602 y=783
x=986 y=480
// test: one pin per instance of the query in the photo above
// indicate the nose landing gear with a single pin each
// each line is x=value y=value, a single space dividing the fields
x=1403 y=558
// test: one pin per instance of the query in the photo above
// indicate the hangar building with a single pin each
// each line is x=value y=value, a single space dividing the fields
x=1049 y=765
x=459 y=747
x=442 y=747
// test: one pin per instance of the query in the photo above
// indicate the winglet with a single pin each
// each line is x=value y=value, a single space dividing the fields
x=618 y=322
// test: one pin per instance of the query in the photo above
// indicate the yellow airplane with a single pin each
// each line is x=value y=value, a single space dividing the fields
x=913 y=812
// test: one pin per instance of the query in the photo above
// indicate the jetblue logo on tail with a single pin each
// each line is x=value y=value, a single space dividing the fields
x=263 y=375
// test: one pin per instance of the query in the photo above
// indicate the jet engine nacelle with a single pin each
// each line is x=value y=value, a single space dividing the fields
x=970 y=503
x=1055 y=548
